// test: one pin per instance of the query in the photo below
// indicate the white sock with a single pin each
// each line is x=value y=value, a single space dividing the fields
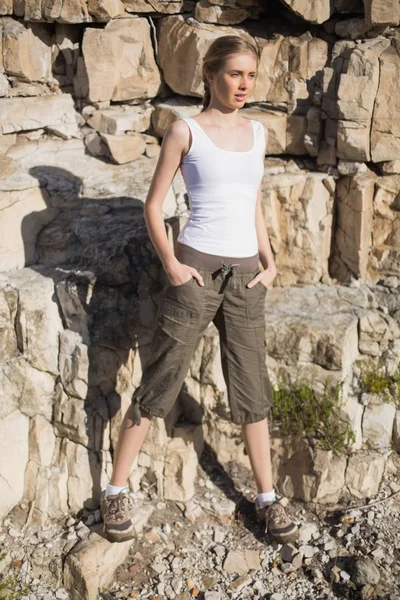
x=266 y=497
x=111 y=490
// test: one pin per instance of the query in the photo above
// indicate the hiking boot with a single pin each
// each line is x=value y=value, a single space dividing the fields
x=278 y=524
x=116 y=511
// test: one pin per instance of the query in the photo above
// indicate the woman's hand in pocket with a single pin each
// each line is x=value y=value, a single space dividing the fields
x=179 y=273
x=264 y=278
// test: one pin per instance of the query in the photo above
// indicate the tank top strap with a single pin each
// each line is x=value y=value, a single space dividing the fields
x=194 y=126
x=195 y=131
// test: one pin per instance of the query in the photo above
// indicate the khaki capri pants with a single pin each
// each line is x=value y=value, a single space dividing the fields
x=184 y=313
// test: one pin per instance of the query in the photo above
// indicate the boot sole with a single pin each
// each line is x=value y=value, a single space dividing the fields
x=291 y=536
x=120 y=537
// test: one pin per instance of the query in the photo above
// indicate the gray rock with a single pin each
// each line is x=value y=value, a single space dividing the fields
x=307 y=531
x=368 y=592
x=240 y=583
x=365 y=572
x=212 y=596
x=288 y=552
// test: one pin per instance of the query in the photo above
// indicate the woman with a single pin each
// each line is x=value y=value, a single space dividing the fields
x=213 y=276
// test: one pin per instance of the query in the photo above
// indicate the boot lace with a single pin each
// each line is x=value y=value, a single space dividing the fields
x=121 y=505
x=276 y=514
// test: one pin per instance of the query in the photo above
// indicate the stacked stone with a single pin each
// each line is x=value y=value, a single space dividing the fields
x=83 y=110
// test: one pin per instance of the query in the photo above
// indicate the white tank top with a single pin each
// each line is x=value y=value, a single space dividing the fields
x=222 y=188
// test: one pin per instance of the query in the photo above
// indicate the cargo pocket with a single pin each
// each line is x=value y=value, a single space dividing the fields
x=181 y=310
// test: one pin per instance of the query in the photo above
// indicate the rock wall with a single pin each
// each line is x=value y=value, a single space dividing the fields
x=87 y=90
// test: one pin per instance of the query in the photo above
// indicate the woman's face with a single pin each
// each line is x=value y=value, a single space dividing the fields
x=235 y=81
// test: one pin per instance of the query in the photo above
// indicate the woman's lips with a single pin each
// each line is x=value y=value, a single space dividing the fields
x=240 y=96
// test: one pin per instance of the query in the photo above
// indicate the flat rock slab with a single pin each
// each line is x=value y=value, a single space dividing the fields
x=92 y=562
x=241 y=562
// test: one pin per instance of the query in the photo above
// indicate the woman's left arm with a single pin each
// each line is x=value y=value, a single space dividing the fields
x=264 y=247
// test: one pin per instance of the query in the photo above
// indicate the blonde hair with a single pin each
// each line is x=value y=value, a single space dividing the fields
x=216 y=55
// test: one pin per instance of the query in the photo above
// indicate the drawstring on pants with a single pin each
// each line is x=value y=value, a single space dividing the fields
x=227 y=270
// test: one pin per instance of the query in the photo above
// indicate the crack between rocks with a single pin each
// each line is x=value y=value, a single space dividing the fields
x=374 y=109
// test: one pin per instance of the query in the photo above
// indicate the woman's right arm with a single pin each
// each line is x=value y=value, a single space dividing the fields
x=174 y=145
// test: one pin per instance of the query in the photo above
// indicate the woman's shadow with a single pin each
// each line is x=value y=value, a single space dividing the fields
x=107 y=280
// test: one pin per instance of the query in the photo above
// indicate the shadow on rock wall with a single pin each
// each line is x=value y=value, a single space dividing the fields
x=106 y=278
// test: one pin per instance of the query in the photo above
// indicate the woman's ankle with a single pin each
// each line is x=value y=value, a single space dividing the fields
x=112 y=490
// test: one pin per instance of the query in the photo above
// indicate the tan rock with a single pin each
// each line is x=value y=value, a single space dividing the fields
x=357 y=90
x=376 y=327
x=4 y=85
x=124 y=148
x=364 y=473
x=8 y=312
x=105 y=10
x=167 y=7
x=11 y=386
x=305 y=474
x=180 y=470
x=74 y=364
x=314 y=11
x=191 y=434
x=6 y=142
x=72 y=11
x=169 y=110
x=224 y=14
x=390 y=167
x=54 y=112
x=6 y=7
x=27 y=50
x=355 y=196
x=46 y=489
x=377 y=425
x=152 y=151
x=74 y=304
x=241 y=562
x=90 y=567
x=222 y=436
x=299 y=209
x=24 y=214
x=39 y=320
x=285 y=132
x=14 y=431
x=385 y=250
x=120 y=61
x=382 y=12
x=8 y=166
x=83 y=422
x=86 y=477
x=37 y=391
x=119 y=120
x=41 y=441
x=385 y=128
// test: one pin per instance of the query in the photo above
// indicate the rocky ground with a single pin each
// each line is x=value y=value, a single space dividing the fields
x=212 y=548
